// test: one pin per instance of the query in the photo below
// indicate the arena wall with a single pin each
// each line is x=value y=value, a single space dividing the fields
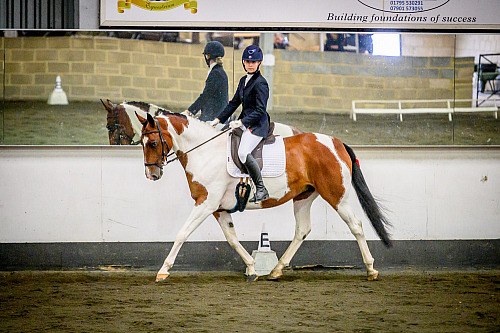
x=173 y=74
x=64 y=207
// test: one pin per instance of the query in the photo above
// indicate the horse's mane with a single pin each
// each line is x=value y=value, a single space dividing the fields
x=149 y=108
x=156 y=110
x=191 y=119
x=141 y=105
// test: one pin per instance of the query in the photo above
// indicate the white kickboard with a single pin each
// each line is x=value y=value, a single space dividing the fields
x=274 y=160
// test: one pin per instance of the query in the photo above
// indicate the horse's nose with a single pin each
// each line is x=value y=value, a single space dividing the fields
x=155 y=177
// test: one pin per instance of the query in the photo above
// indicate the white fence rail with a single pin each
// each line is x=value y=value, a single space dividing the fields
x=401 y=107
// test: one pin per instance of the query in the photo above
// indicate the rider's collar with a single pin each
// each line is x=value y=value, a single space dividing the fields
x=249 y=76
x=212 y=65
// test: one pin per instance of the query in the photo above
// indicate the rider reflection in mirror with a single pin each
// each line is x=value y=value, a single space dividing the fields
x=214 y=97
x=253 y=93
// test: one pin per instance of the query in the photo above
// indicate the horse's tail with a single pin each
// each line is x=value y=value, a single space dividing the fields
x=367 y=201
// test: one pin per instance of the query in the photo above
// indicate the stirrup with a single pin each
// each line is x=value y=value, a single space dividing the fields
x=254 y=198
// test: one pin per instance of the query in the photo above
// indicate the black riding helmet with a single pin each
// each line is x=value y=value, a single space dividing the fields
x=214 y=49
x=252 y=53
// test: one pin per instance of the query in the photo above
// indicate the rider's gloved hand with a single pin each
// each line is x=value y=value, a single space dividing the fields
x=235 y=124
x=214 y=122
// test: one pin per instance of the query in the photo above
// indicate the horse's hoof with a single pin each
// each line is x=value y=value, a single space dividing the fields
x=252 y=278
x=274 y=276
x=373 y=277
x=162 y=277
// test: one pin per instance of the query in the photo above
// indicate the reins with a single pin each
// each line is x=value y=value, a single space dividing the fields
x=165 y=156
x=201 y=144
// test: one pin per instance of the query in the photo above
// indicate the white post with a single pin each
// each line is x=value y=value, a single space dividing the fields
x=265 y=258
x=58 y=96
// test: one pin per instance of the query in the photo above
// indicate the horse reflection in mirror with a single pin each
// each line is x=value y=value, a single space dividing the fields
x=123 y=126
x=316 y=165
x=121 y=122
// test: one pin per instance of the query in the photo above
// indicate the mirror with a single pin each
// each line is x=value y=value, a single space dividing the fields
x=364 y=88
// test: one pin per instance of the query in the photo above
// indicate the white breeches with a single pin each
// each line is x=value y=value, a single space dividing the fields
x=248 y=143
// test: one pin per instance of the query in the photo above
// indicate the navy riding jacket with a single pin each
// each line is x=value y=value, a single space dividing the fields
x=254 y=98
x=214 y=97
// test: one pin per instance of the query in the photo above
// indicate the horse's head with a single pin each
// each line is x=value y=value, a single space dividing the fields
x=156 y=142
x=120 y=131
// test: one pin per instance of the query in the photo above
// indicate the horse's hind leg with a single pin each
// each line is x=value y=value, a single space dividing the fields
x=302 y=212
x=354 y=223
x=226 y=224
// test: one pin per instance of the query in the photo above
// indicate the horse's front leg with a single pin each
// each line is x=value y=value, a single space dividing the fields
x=226 y=224
x=197 y=216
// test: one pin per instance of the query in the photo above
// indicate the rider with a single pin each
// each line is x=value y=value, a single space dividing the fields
x=253 y=93
x=214 y=97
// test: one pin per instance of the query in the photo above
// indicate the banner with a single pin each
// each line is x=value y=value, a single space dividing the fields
x=364 y=14
x=156 y=5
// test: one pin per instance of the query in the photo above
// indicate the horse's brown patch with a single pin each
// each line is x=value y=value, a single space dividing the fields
x=182 y=158
x=271 y=202
x=296 y=170
x=179 y=122
x=307 y=170
x=199 y=192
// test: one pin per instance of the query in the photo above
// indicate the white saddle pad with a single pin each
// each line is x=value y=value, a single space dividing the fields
x=273 y=158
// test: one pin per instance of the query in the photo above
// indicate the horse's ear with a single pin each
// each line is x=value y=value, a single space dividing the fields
x=107 y=105
x=151 y=120
x=143 y=120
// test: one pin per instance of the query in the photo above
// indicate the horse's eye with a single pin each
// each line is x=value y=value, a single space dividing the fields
x=153 y=144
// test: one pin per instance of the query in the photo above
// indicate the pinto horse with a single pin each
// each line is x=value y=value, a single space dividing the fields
x=316 y=165
x=123 y=126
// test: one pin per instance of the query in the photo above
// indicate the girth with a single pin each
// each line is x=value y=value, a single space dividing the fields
x=256 y=153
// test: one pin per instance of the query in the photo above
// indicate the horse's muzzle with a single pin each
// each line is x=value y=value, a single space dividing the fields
x=153 y=173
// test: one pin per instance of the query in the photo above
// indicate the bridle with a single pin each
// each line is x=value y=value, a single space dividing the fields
x=165 y=155
x=116 y=126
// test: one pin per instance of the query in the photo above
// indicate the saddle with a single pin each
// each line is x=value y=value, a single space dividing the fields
x=256 y=153
x=273 y=166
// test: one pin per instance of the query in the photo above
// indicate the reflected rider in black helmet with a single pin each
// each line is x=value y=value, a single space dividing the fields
x=214 y=97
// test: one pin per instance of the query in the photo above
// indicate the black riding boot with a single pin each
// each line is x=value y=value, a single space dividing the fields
x=254 y=172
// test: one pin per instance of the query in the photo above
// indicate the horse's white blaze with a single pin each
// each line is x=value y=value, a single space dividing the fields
x=346 y=173
x=144 y=142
